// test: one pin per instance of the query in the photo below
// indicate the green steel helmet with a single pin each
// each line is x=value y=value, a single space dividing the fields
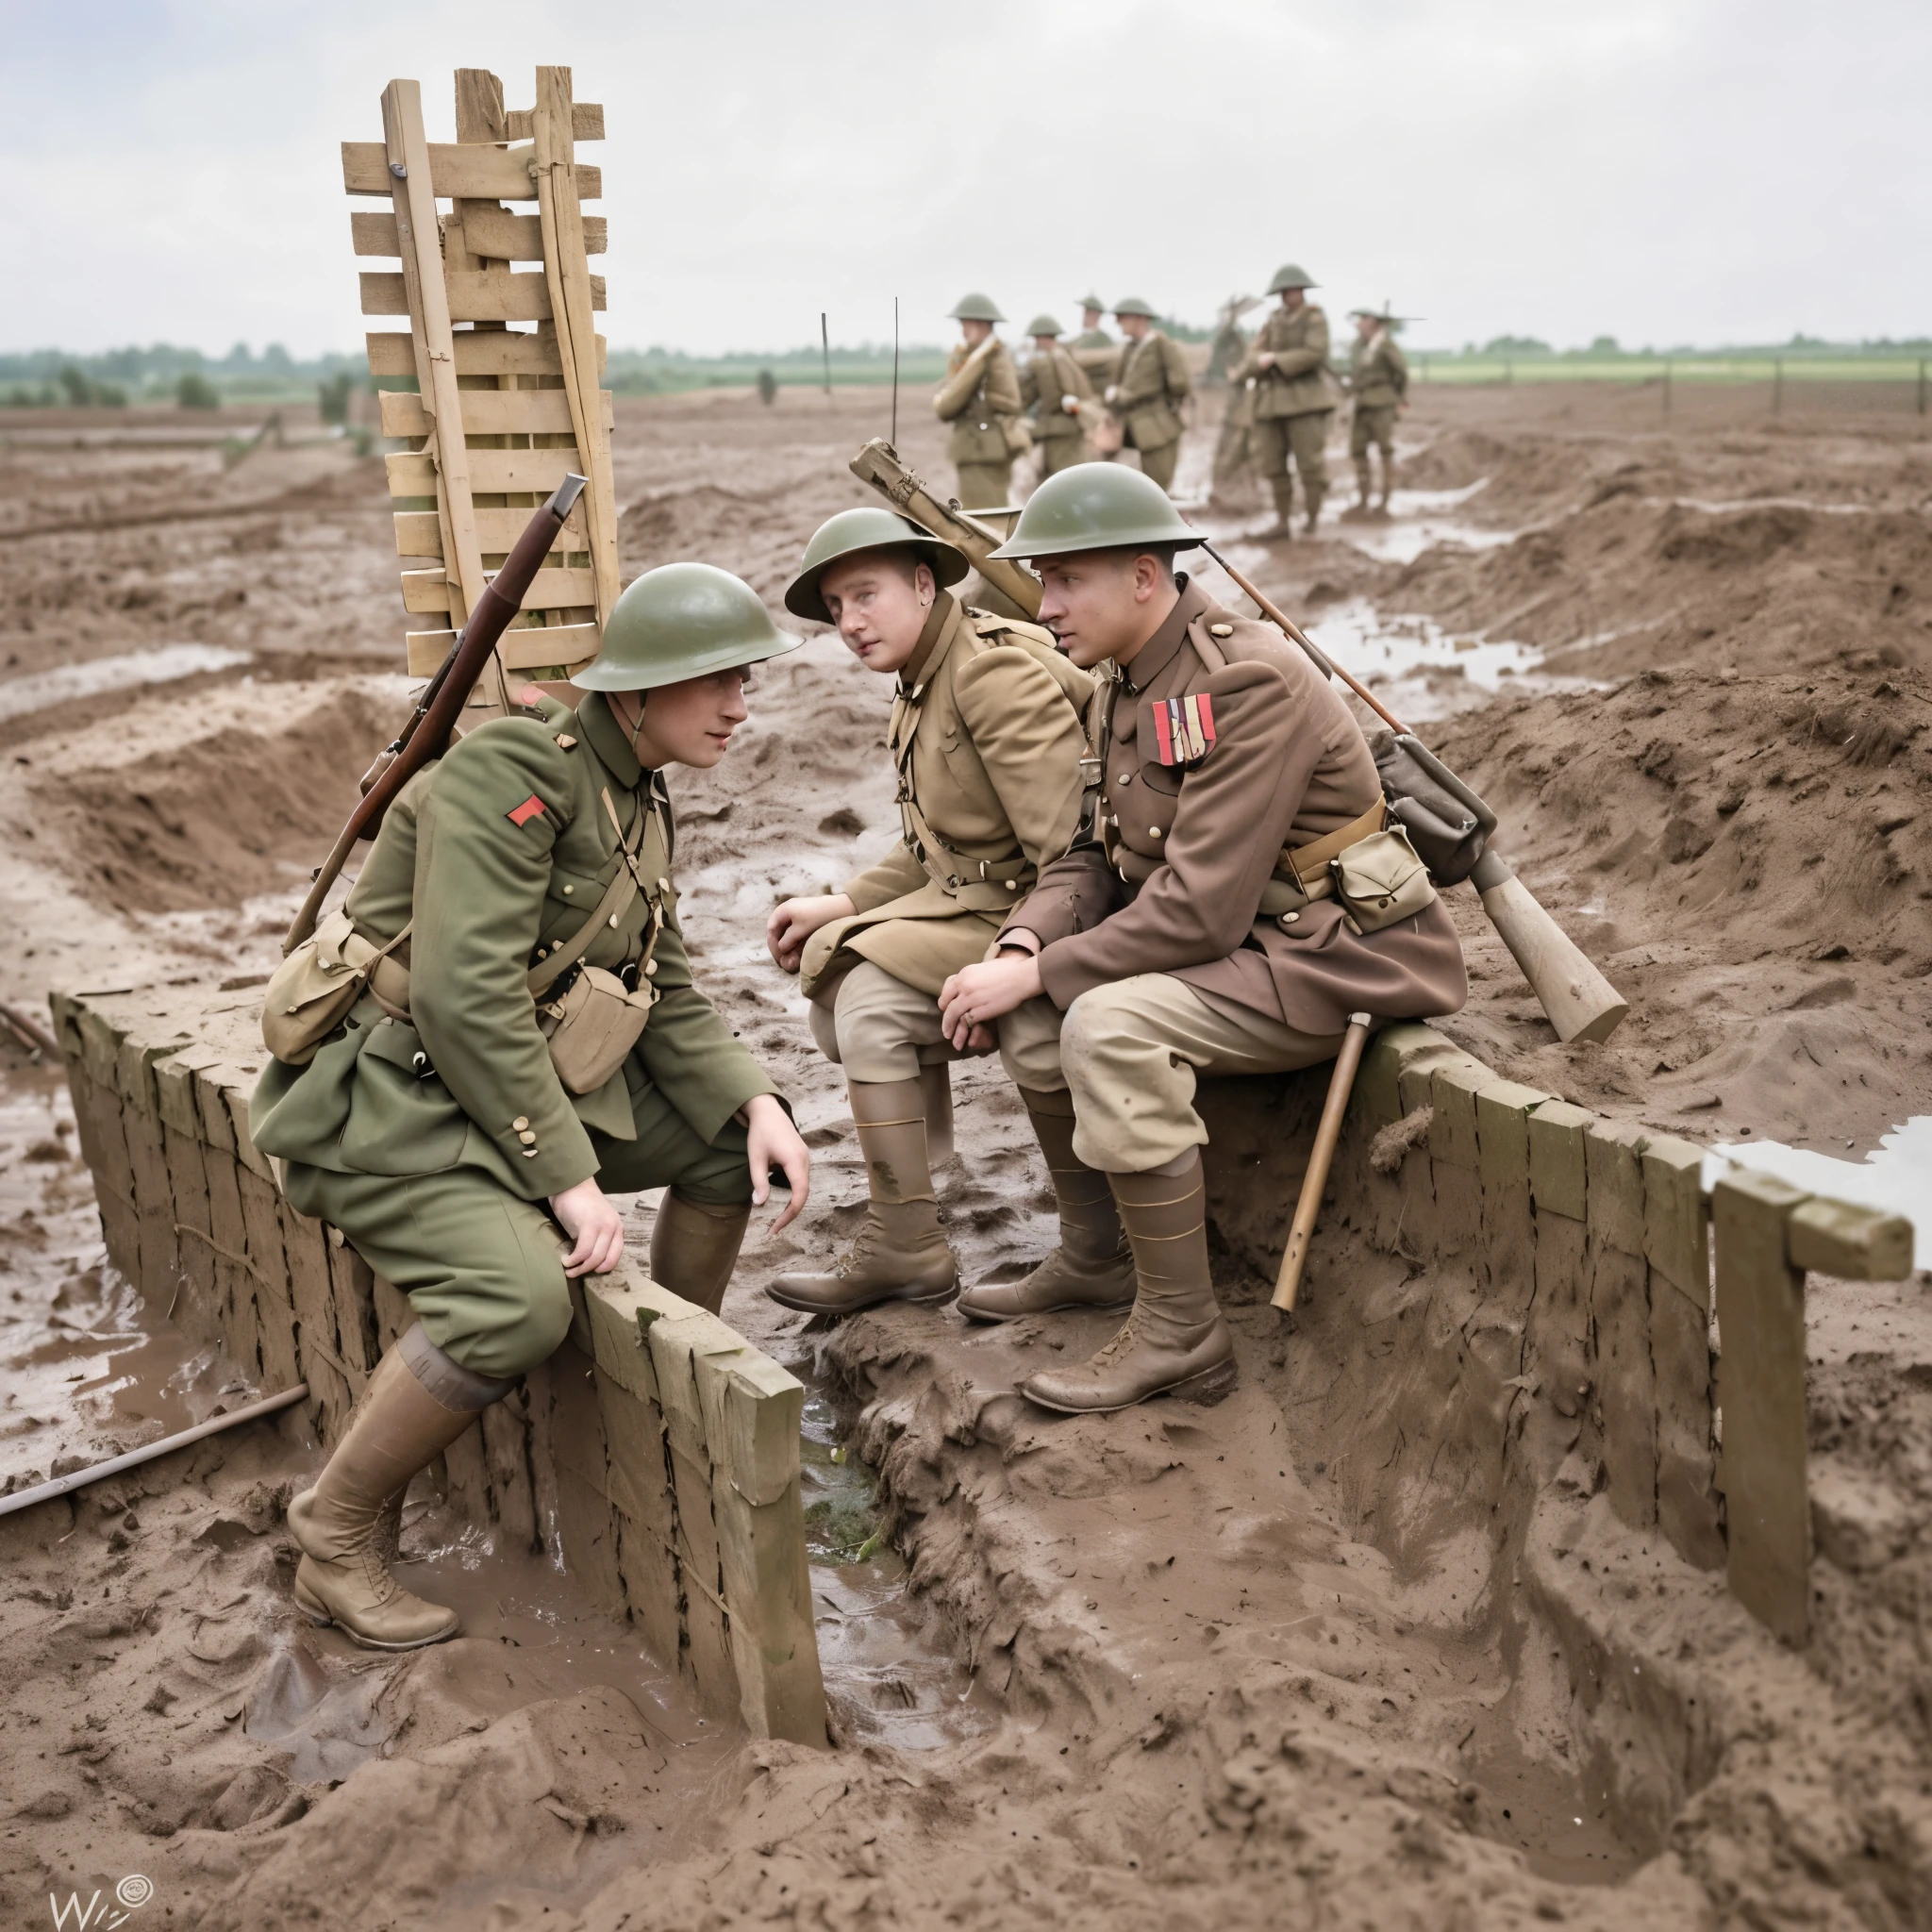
x=681 y=621
x=1042 y=325
x=866 y=528
x=975 y=307
x=1291 y=276
x=1096 y=506
x=1132 y=304
x=1093 y=301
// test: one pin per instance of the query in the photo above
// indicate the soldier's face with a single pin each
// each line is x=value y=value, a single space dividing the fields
x=974 y=332
x=1102 y=604
x=1090 y=318
x=1364 y=326
x=1133 y=326
x=1044 y=342
x=687 y=724
x=1291 y=299
x=879 y=605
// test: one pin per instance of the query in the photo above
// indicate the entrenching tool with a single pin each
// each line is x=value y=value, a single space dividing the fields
x=1321 y=1158
x=426 y=733
x=1446 y=820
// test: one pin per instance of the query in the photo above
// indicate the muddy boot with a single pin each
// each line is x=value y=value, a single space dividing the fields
x=1315 y=500
x=1175 y=1342
x=694 y=1248
x=900 y=1254
x=1364 y=491
x=1283 y=489
x=1388 y=484
x=1093 y=1267
x=418 y=1401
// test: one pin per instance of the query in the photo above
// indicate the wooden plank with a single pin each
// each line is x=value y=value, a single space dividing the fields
x=413 y=472
x=490 y=412
x=479 y=352
x=1853 y=1243
x=494 y=231
x=561 y=189
x=1761 y=1317
x=475 y=171
x=475 y=295
x=586 y=121
x=550 y=589
x=534 y=647
x=420 y=534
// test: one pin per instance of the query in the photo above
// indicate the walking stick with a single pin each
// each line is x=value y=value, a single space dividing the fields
x=1321 y=1158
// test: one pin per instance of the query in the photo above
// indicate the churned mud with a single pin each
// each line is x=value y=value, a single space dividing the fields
x=1320 y=1655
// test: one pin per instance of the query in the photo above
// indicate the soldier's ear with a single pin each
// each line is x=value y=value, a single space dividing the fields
x=925 y=586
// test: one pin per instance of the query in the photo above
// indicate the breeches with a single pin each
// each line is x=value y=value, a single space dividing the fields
x=1275 y=440
x=1375 y=427
x=879 y=1028
x=1129 y=1053
x=985 y=486
x=1057 y=452
x=482 y=1267
x=1160 y=462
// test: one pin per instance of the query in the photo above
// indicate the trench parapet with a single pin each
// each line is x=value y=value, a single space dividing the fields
x=661 y=1446
x=1655 y=1330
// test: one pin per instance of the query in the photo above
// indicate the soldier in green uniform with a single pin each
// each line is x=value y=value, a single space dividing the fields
x=987 y=736
x=433 y=1127
x=1378 y=383
x=1054 y=389
x=1152 y=384
x=1093 y=349
x=1199 y=926
x=1289 y=362
x=980 y=398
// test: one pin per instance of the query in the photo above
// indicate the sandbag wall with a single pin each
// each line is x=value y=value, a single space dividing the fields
x=1575 y=1263
x=660 y=1444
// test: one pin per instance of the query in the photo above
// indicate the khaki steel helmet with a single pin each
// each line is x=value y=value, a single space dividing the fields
x=1093 y=301
x=681 y=621
x=866 y=528
x=1290 y=276
x=1042 y=325
x=1132 y=304
x=1096 y=506
x=975 y=307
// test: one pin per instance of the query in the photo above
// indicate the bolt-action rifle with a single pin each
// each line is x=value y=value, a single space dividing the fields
x=426 y=733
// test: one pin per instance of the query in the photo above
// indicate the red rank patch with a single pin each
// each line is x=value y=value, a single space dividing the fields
x=532 y=808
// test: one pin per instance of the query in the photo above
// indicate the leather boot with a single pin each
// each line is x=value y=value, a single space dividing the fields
x=1387 y=482
x=936 y=1084
x=694 y=1248
x=900 y=1254
x=1364 y=491
x=1093 y=1267
x=418 y=1401
x=1283 y=489
x=1315 y=499
x=1175 y=1342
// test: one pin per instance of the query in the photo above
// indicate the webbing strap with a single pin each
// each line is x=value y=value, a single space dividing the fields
x=617 y=896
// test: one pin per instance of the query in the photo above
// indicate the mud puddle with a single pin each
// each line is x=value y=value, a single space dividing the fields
x=167 y=664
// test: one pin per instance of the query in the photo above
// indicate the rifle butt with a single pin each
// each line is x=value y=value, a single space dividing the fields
x=1580 y=1002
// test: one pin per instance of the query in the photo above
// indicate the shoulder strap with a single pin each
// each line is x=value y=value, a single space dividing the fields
x=618 y=894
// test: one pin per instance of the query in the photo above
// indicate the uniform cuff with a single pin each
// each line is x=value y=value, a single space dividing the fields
x=547 y=1151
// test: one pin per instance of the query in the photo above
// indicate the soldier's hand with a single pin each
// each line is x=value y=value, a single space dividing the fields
x=977 y=996
x=1265 y=360
x=794 y=921
x=594 y=1226
x=772 y=1141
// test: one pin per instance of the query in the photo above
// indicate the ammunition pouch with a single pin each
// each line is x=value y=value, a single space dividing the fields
x=1368 y=864
x=1018 y=433
x=591 y=1025
x=314 y=990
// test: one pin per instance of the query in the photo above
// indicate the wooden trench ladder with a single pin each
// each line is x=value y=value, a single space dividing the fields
x=501 y=412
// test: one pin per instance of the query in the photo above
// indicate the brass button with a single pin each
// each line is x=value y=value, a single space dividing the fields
x=522 y=1121
x=650 y=966
x=1154 y=832
x=565 y=742
x=613 y=922
x=568 y=890
x=528 y=1137
x=529 y=1154
x=1289 y=918
x=1221 y=630
x=1124 y=778
x=663 y=885
x=1013 y=885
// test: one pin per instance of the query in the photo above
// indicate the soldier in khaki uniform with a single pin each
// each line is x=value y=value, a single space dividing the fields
x=980 y=398
x=1378 y=385
x=1289 y=362
x=1093 y=349
x=987 y=736
x=1199 y=928
x=433 y=1127
x=1054 y=390
x=1152 y=386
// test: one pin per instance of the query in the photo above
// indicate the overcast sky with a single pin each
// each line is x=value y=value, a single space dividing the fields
x=1695 y=171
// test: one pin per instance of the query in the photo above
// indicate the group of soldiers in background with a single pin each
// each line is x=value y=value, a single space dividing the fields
x=1092 y=398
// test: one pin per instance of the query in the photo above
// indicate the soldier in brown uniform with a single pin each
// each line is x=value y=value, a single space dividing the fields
x=1093 y=349
x=1378 y=386
x=1203 y=929
x=980 y=398
x=1293 y=402
x=987 y=736
x=1152 y=384
x=1053 y=388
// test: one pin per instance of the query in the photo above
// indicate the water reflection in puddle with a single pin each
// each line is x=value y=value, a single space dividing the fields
x=39 y=689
